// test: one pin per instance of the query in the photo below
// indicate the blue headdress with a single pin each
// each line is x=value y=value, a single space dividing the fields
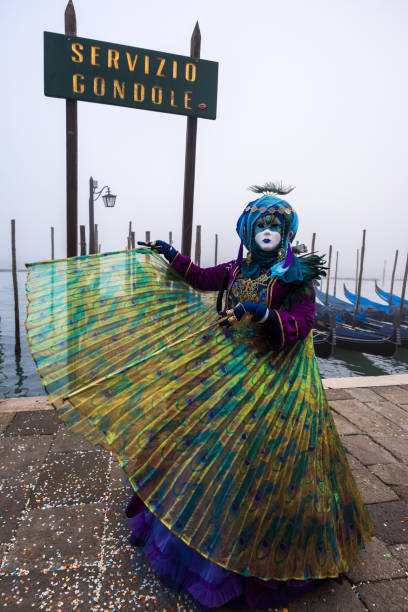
x=281 y=262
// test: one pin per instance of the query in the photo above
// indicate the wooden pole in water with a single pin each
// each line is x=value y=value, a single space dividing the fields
x=71 y=150
x=147 y=236
x=171 y=238
x=133 y=239
x=189 y=168
x=356 y=283
x=197 y=258
x=404 y=288
x=129 y=243
x=216 y=250
x=335 y=274
x=360 y=278
x=52 y=244
x=92 y=241
x=313 y=243
x=328 y=275
x=83 y=239
x=17 y=346
x=393 y=276
x=96 y=243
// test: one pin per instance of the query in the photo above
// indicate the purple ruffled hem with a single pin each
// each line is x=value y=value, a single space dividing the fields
x=181 y=567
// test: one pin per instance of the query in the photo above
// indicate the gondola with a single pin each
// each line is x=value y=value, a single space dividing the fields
x=334 y=302
x=385 y=295
x=340 y=306
x=375 y=310
x=383 y=328
x=364 y=337
x=352 y=338
x=365 y=302
x=324 y=343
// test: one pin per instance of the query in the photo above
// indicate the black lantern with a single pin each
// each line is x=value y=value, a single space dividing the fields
x=109 y=199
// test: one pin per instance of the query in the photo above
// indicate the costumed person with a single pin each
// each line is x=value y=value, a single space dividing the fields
x=242 y=488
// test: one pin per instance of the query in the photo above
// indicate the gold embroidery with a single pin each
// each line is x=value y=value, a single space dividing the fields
x=281 y=326
x=270 y=291
x=230 y=286
x=189 y=265
x=250 y=290
x=174 y=258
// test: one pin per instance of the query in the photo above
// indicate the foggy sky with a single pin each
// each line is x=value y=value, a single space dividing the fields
x=311 y=93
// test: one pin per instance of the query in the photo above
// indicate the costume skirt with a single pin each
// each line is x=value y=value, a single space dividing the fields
x=229 y=444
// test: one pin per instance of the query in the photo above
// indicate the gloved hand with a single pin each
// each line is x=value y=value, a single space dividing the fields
x=161 y=247
x=259 y=312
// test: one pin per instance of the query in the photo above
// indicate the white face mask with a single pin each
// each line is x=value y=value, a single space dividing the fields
x=268 y=240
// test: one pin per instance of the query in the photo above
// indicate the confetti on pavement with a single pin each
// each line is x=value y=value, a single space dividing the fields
x=63 y=532
x=64 y=535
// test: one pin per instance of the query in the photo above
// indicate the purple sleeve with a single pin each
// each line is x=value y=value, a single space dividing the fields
x=209 y=279
x=296 y=323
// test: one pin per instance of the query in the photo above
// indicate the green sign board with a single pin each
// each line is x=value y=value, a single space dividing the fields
x=95 y=71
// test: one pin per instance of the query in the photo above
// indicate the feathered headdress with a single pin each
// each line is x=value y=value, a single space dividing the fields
x=270 y=188
x=280 y=261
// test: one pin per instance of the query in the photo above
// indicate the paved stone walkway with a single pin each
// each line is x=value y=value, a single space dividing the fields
x=63 y=536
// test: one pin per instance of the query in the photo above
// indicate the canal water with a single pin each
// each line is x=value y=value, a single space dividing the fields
x=19 y=378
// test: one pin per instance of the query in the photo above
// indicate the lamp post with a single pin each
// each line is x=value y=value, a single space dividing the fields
x=109 y=200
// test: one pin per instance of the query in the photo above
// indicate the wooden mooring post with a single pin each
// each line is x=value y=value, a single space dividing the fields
x=360 y=278
x=404 y=288
x=17 y=346
x=92 y=238
x=52 y=244
x=393 y=276
x=197 y=258
x=356 y=284
x=82 y=239
x=312 y=248
x=190 y=159
x=147 y=236
x=96 y=238
x=171 y=238
x=216 y=250
x=335 y=274
x=328 y=275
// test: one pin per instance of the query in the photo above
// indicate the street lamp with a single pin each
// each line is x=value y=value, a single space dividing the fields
x=109 y=200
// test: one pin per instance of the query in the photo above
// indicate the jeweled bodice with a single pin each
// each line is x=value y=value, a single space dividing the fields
x=248 y=290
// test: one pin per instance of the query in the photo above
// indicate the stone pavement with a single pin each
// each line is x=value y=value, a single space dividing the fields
x=63 y=536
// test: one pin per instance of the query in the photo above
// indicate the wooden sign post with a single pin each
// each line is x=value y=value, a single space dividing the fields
x=189 y=167
x=72 y=151
x=109 y=73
